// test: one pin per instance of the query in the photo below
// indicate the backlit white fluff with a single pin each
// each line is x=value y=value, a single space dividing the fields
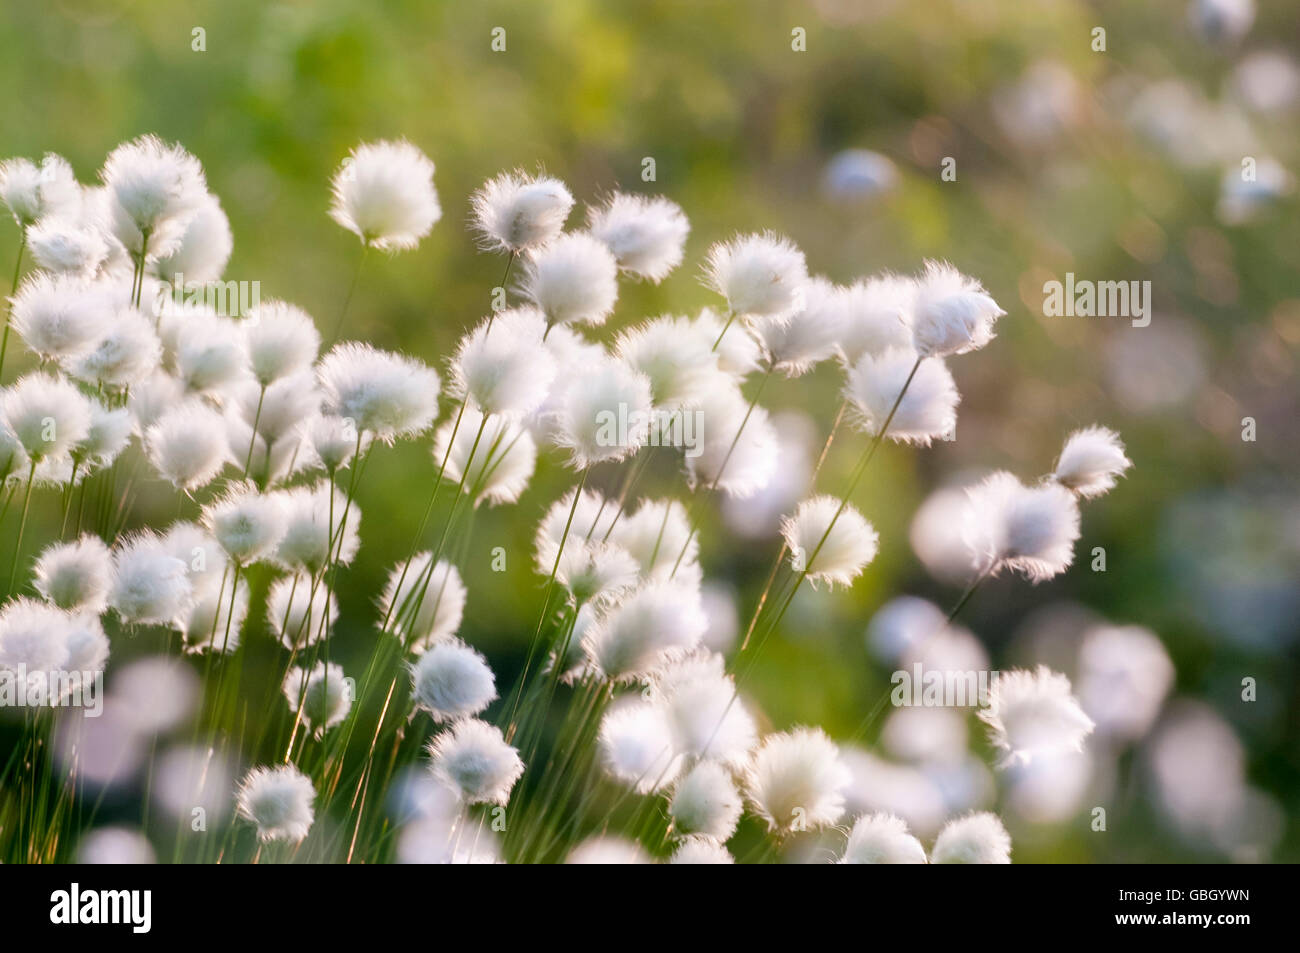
x=796 y=780
x=281 y=339
x=279 y=801
x=1031 y=714
x=811 y=334
x=606 y=414
x=204 y=247
x=152 y=397
x=334 y=440
x=636 y=746
x=589 y=567
x=605 y=850
x=759 y=275
x=708 y=719
x=383 y=193
x=737 y=354
x=247 y=524
x=76 y=575
x=572 y=354
x=47 y=414
x=439 y=610
x=153 y=191
x=299 y=613
x=882 y=839
x=701 y=850
x=13 y=458
x=58 y=316
x=385 y=394
x=572 y=280
x=452 y=681
x=209 y=351
x=473 y=759
x=1031 y=530
x=150 y=585
x=502 y=364
x=952 y=314
x=877 y=317
x=65 y=246
x=215 y=619
x=32 y=637
x=656 y=535
x=827 y=547
x=504 y=455
x=32 y=192
x=706 y=802
x=977 y=838
x=653 y=625
x=324 y=692
x=1124 y=675
x=310 y=542
x=515 y=212
x=109 y=433
x=674 y=357
x=738 y=452
x=115 y=845
x=928 y=410
x=1091 y=461
x=127 y=353
x=187 y=446
x=646 y=235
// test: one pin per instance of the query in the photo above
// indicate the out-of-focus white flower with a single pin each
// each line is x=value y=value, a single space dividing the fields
x=606 y=414
x=150 y=585
x=795 y=343
x=706 y=802
x=738 y=450
x=209 y=350
x=384 y=394
x=796 y=780
x=123 y=356
x=759 y=275
x=153 y=190
x=324 y=692
x=515 y=212
x=859 y=174
x=828 y=542
x=936 y=535
x=76 y=575
x=901 y=623
x=605 y=850
x=427 y=605
x=877 y=317
x=1221 y=22
x=156 y=693
x=646 y=235
x=1243 y=198
x=115 y=845
x=383 y=193
x=334 y=440
x=882 y=839
x=1124 y=675
x=33 y=192
x=976 y=838
x=1031 y=530
x=216 y=616
x=187 y=446
x=281 y=339
x=65 y=246
x=504 y=455
x=473 y=759
x=315 y=533
x=701 y=850
x=928 y=409
x=737 y=354
x=1091 y=461
x=58 y=316
x=952 y=314
x=187 y=777
x=152 y=397
x=658 y=536
x=279 y=801
x=502 y=365
x=299 y=613
x=109 y=433
x=1034 y=713
x=203 y=250
x=593 y=570
x=636 y=746
x=655 y=624
x=452 y=681
x=674 y=357
x=247 y=524
x=708 y=720
x=572 y=280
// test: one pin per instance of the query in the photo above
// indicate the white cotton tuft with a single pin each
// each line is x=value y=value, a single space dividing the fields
x=109 y=433
x=216 y=617
x=334 y=440
x=738 y=450
x=708 y=719
x=383 y=193
x=426 y=605
x=1091 y=461
x=976 y=838
x=658 y=536
x=203 y=250
x=952 y=314
x=636 y=746
x=13 y=458
x=701 y=850
x=33 y=192
x=504 y=455
x=58 y=317
x=65 y=246
x=928 y=410
x=877 y=317
x=515 y=212
x=828 y=543
x=674 y=357
x=300 y=614
x=279 y=801
x=48 y=415
x=324 y=692
x=452 y=681
x=123 y=356
x=593 y=570
x=706 y=802
x=737 y=354
x=473 y=760
x=152 y=397
x=655 y=624
x=1031 y=530
x=502 y=364
x=187 y=445
x=32 y=638
x=882 y=839
x=280 y=339
x=605 y=850
x=646 y=235
x=384 y=394
x=797 y=779
x=794 y=343
x=247 y=524
x=153 y=190
x=311 y=541
x=572 y=280
x=150 y=585
x=210 y=354
x=606 y=414
x=1032 y=714
x=75 y=576
x=759 y=275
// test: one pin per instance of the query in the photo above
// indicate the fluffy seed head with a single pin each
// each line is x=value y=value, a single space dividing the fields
x=109 y=433
x=606 y=414
x=324 y=692
x=209 y=355
x=828 y=543
x=76 y=576
x=308 y=534
x=952 y=314
x=502 y=365
x=204 y=248
x=48 y=415
x=636 y=746
x=759 y=275
x=504 y=455
x=426 y=605
x=1031 y=530
x=674 y=357
x=65 y=246
x=656 y=535
x=384 y=394
x=1091 y=461
x=452 y=681
x=572 y=280
x=32 y=192
x=187 y=446
x=334 y=440
x=793 y=344
x=279 y=801
x=706 y=802
x=58 y=316
x=153 y=190
x=877 y=317
x=928 y=410
x=247 y=524
x=797 y=778
x=299 y=614
x=516 y=212
x=280 y=340
x=150 y=585
x=214 y=620
x=708 y=719
x=977 y=838
x=646 y=235
x=739 y=450
x=1031 y=714
x=383 y=193
x=473 y=760
x=701 y=850
x=124 y=355
x=655 y=624
x=882 y=839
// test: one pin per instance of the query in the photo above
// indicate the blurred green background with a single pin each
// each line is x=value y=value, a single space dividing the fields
x=1066 y=161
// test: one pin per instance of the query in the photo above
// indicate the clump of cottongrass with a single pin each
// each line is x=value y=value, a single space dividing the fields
x=794 y=344
x=57 y=316
x=33 y=192
x=636 y=746
x=572 y=280
x=674 y=357
x=311 y=541
x=952 y=314
x=706 y=802
x=473 y=759
x=280 y=340
x=502 y=365
x=121 y=357
x=150 y=585
x=279 y=801
x=383 y=193
x=759 y=275
x=1091 y=461
x=424 y=605
x=504 y=455
x=452 y=681
x=928 y=408
x=1032 y=714
x=75 y=576
x=977 y=838
x=701 y=850
x=153 y=191
x=877 y=317
x=655 y=624
x=882 y=839
x=515 y=212
x=646 y=235
x=204 y=247
x=1031 y=530
x=738 y=452
x=606 y=414
x=247 y=524
x=187 y=445
x=67 y=247
x=828 y=541
x=707 y=719
x=299 y=612
x=796 y=780
x=323 y=693
x=384 y=394
x=606 y=849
